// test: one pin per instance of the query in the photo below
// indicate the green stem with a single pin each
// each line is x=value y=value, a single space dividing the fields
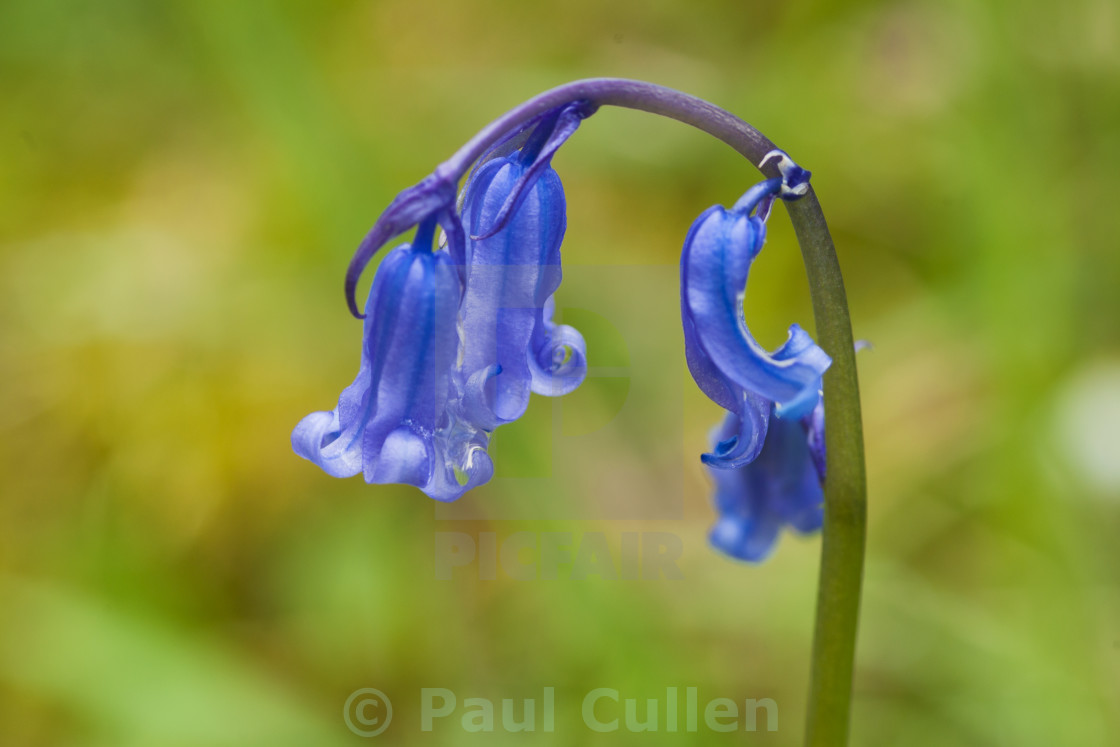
x=845 y=507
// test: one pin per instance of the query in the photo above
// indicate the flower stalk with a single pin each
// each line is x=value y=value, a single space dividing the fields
x=845 y=488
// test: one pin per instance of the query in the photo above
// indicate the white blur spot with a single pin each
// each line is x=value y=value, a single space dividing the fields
x=1088 y=424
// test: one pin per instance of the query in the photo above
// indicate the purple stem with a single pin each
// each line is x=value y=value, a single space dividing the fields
x=630 y=94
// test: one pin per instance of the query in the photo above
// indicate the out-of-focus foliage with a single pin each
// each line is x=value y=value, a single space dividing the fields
x=181 y=185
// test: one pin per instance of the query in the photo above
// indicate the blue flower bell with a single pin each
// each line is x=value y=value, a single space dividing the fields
x=514 y=214
x=386 y=422
x=765 y=471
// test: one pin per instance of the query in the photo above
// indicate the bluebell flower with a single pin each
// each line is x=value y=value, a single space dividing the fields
x=392 y=424
x=514 y=212
x=725 y=360
x=760 y=458
x=780 y=488
x=723 y=357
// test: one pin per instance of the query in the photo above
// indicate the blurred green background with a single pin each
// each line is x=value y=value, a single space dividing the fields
x=181 y=186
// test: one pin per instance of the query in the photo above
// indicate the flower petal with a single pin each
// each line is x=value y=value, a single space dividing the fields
x=405 y=457
x=781 y=487
x=313 y=439
x=536 y=154
x=385 y=421
x=742 y=435
x=510 y=277
x=715 y=263
x=747 y=539
x=411 y=347
x=461 y=460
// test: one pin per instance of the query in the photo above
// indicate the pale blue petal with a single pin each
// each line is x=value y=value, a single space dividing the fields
x=714 y=268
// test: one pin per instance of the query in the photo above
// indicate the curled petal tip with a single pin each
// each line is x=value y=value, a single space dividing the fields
x=351 y=290
x=558 y=358
x=738 y=440
x=559 y=365
x=318 y=439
